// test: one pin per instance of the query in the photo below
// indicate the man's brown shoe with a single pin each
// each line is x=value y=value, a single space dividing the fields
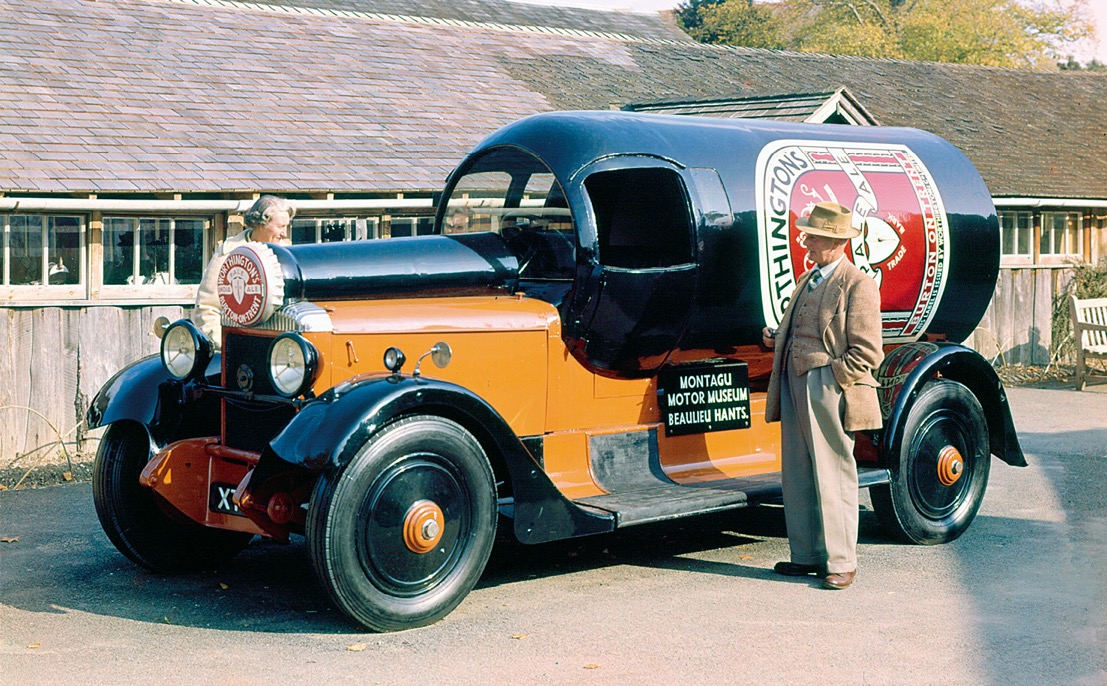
x=840 y=580
x=793 y=569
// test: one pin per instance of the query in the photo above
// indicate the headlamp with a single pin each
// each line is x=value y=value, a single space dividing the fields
x=293 y=365
x=185 y=350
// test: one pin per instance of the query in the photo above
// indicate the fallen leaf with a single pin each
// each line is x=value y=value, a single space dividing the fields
x=592 y=666
x=746 y=557
x=3 y=487
x=518 y=636
x=9 y=539
x=68 y=476
x=166 y=620
x=34 y=645
x=356 y=648
x=223 y=586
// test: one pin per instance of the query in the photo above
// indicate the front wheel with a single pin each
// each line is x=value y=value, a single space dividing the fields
x=401 y=534
x=938 y=484
x=138 y=523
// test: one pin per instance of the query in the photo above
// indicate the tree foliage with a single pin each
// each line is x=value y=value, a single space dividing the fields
x=1005 y=33
x=733 y=22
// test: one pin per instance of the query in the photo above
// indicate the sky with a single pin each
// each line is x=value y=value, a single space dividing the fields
x=1098 y=8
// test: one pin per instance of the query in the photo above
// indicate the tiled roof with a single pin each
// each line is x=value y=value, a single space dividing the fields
x=381 y=96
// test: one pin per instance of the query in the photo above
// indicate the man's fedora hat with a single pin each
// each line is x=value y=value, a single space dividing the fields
x=828 y=219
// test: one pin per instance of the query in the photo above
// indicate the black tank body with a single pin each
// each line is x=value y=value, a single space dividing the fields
x=931 y=230
x=420 y=266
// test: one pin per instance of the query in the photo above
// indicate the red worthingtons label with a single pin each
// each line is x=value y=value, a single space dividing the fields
x=904 y=237
x=243 y=287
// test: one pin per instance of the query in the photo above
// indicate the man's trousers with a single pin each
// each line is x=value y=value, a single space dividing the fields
x=819 y=474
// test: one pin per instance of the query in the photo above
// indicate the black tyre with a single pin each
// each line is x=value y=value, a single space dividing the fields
x=402 y=533
x=138 y=523
x=939 y=483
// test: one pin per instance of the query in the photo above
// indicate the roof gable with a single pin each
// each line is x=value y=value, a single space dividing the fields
x=834 y=107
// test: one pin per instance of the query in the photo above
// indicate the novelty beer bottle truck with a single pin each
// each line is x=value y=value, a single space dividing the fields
x=593 y=333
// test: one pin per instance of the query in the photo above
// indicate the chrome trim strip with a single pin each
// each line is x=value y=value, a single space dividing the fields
x=298 y=316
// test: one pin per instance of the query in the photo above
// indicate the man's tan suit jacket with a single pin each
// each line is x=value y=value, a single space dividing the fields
x=849 y=316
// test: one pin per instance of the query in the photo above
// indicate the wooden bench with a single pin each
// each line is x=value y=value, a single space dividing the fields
x=1089 y=327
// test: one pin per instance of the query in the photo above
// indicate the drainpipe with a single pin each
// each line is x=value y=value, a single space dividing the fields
x=1047 y=202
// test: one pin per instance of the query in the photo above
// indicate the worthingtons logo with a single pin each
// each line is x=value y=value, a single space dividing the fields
x=242 y=287
x=904 y=237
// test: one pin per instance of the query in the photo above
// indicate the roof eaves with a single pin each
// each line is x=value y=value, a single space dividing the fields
x=429 y=21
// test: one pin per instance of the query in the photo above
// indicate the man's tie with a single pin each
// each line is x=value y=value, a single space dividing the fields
x=816 y=279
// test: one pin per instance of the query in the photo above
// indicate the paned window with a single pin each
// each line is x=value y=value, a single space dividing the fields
x=43 y=250
x=1017 y=229
x=330 y=230
x=1062 y=234
x=412 y=226
x=149 y=251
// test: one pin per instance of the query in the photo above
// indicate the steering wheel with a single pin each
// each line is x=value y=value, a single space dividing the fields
x=540 y=249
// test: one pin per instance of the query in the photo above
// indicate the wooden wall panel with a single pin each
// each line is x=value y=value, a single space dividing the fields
x=1041 y=327
x=1017 y=321
x=15 y=382
x=55 y=362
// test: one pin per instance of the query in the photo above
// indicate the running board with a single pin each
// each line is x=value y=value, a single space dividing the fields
x=626 y=465
x=867 y=477
x=659 y=503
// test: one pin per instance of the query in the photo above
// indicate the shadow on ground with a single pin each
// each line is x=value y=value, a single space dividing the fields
x=63 y=562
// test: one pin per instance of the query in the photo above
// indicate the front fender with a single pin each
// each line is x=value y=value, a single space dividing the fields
x=328 y=432
x=907 y=368
x=145 y=393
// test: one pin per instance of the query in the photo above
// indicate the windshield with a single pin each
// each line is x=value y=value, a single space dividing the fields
x=512 y=193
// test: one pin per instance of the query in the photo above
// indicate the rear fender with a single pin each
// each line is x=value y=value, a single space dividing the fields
x=145 y=393
x=907 y=368
x=328 y=432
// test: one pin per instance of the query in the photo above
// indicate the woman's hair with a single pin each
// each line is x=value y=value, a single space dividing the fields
x=263 y=210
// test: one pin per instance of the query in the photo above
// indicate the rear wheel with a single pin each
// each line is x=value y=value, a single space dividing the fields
x=939 y=483
x=138 y=523
x=402 y=533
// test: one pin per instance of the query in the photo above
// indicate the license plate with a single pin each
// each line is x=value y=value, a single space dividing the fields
x=221 y=499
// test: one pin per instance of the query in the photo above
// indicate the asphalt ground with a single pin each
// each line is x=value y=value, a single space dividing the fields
x=1021 y=598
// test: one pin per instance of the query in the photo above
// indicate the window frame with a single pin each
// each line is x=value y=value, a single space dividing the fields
x=147 y=292
x=33 y=292
x=414 y=221
x=1069 y=255
x=1017 y=258
x=1081 y=248
x=365 y=227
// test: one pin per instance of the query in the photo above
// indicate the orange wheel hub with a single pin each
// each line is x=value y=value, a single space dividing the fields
x=950 y=465
x=423 y=525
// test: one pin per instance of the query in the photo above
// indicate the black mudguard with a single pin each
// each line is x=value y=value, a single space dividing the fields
x=145 y=393
x=910 y=366
x=328 y=432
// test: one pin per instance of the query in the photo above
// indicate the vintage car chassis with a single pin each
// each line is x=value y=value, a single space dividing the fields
x=595 y=340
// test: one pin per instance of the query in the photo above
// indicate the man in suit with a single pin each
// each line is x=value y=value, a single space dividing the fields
x=822 y=390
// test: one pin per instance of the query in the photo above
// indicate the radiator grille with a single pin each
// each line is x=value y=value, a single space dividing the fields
x=250 y=425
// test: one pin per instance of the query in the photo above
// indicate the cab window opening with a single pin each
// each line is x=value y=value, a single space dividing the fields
x=642 y=218
x=512 y=193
